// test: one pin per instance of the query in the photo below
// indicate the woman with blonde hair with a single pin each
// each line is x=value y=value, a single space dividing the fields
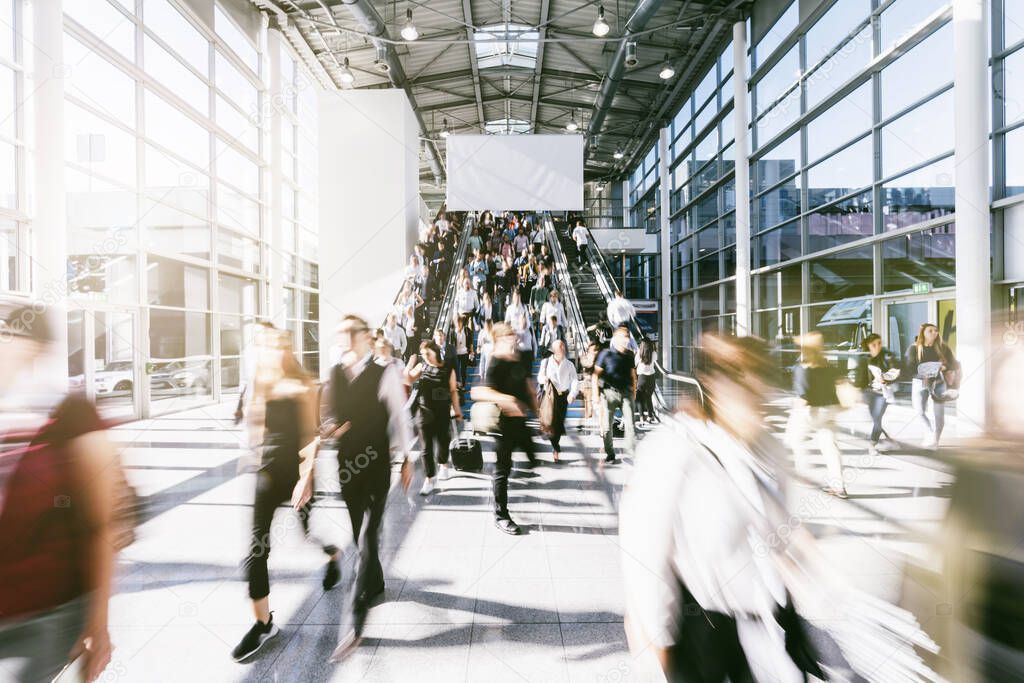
x=814 y=410
x=283 y=415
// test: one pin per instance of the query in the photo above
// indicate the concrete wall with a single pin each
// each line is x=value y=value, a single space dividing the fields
x=369 y=204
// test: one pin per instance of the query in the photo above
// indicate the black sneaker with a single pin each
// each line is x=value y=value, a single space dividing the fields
x=610 y=459
x=508 y=526
x=259 y=634
x=332 y=574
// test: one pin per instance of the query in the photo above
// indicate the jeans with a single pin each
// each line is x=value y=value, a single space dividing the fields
x=818 y=420
x=271 y=492
x=613 y=399
x=436 y=439
x=513 y=433
x=920 y=397
x=35 y=649
x=876 y=404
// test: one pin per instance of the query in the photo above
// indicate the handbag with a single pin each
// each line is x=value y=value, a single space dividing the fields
x=546 y=410
x=483 y=417
x=849 y=396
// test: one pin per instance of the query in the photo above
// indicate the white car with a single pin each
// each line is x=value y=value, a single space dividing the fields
x=115 y=377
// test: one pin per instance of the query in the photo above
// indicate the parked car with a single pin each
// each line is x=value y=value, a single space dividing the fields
x=180 y=375
x=115 y=377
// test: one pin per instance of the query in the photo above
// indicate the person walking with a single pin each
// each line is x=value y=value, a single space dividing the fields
x=876 y=375
x=436 y=399
x=466 y=302
x=367 y=409
x=580 y=235
x=526 y=342
x=814 y=409
x=620 y=310
x=926 y=362
x=554 y=307
x=58 y=526
x=615 y=370
x=394 y=333
x=282 y=416
x=446 y=347
x=549 y=334
x=508 y=386
x=485 y=346
x=486 y=311
x=516 y=309
x=588 y=386
x=463 y=351
x=646 y=374
x=562 y=381
x=538 y=298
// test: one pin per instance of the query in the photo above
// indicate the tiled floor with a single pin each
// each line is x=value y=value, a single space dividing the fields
x=464 y=602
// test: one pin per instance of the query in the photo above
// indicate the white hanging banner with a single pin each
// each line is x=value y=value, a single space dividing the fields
x=515 y=172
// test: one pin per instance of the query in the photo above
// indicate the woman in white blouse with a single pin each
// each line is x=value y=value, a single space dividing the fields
x=560 y=372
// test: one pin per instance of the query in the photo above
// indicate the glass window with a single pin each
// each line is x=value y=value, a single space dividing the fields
x=705 y=88
x=705 y=115
x=842 y=275
x=175 y=131
x=918 y=196
x=99 y=83
x=9 y=254
x=1015 y=162
x=232 y=83
x=781 y=287
x=177 y=284
x=708 y=301
x=779 y=205
x=778 y=245
x=7 y=30
x=172 y=231
x=901 y=18
x=780 y=162
x=240 y=127
x=923 y=70
x=845 y=120
x=839 y=223
x=175 y=183
x=178 y=334
x=781 y=78
x=783 y=26
x=166 y=22
x=1013 y=78
x=776 y=119
x=922 y=134
x=237 y=211
x=101 y=147
x=175 y=76
x=832 y=28
x=1013 y=13
x=846 y=171
x=840 y=67
x=105 y=22
x=237 y=295
x=236 y=40
x=707 y=269
x=238 y=251
x=843 y=325
x=235 y=168
x=8 y=110
x=707 y=240
x=8 y=176
x=928 y=256
x=102 y=217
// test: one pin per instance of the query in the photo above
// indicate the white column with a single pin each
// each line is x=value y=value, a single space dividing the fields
x=44 y=92
x=742 y=166
x=277 y=102
x=971 y=95
x=625 y=203
x=664 y=141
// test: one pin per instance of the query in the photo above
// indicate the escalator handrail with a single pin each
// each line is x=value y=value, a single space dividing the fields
x=569 y=299
x=444 y=318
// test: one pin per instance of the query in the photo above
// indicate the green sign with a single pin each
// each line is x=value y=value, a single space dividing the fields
x=922 y=287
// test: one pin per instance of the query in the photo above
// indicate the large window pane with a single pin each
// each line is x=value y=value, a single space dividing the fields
x=9 y=110
x=840 y=67
x=922 y=134
x=102 y=217
x=778 y=245
x=99 y=83
x=902 y=17
x=236 y=40
x=779 y=205
x=175 y=76
x=174 y=183
x=776 y=119
x=837 y=23
x=923 y=70
x=842 y=275
x=239 y=126
x=175 y=232
x=845 y=120
x=1013 y=14
x=238 y=251
x=781 y=78
x=235 y=168
x=918 y=196
x=843 y=325
x=783 y=26
x=238 y=295
x=177 y=284
x=10 y=255
x=780 y=162
x=1015 y=162
x=99 y=146
x=8 y=176
x=232 y=83
x=237 y=211
x=105 y=22
x=839 y=223
x=849 y=170
x=165 y=21
x=172 y=129
x=781 y=287
x=928 y=256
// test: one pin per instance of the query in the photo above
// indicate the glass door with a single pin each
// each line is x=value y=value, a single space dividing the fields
x=904 y=317
x=103 y=360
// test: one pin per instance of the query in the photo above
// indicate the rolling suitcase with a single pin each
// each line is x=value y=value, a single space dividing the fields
x=466 y=453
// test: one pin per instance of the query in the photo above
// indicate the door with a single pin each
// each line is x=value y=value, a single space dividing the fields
x=904 y=317
x=103 y=360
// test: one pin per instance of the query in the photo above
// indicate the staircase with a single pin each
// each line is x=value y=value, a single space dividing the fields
x=592 y=303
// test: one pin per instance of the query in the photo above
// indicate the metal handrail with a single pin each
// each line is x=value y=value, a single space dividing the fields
x=444 y=318
x=571 y=303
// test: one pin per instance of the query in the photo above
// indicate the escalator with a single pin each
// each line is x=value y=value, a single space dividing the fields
x=585 y=286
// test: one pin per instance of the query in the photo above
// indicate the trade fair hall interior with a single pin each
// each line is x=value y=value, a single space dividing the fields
x=525 y=340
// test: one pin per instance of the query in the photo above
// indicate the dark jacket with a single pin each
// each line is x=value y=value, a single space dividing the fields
x=885 y=361
x=929 y=355
x=817 y=386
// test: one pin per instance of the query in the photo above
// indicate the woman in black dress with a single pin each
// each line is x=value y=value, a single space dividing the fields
x=437 y=391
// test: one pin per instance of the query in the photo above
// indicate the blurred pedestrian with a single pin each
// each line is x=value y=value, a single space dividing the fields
x=563 y=384
x=615 y=370
x=876 y=376
x=927 y=361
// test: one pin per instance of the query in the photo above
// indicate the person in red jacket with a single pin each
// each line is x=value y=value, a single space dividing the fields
x=57 y=523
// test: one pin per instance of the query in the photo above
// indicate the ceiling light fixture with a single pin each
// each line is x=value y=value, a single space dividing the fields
x=381 y=62
x=667 y=70
x=631 y=59
x=445 y=130
x=409 y=31
x=601 y=27
x=618 y=153
x=345 y=75
x=572 y=126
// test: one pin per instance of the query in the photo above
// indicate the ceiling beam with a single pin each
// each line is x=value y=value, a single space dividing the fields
x=545 y=6
x=526 y=71
x=542 y=101
x=467 y=15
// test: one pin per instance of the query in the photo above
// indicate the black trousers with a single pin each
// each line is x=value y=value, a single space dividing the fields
x=271 y=491
x=436 y=436
x=366 y=498
x=561 y=406
x=513 y=434
x=462 y=368
x=645 y=395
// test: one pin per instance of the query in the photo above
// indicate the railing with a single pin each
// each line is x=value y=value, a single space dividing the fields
x=444 y=315
x=578 y=326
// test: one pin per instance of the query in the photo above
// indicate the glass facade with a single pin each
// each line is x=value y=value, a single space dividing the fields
x=851 y=172
x=170 y=146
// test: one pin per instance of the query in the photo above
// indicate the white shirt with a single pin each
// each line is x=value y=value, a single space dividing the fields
x=620 y=311
x=442 y=226
x=391 y=392
x=549 y=309
x=644 y=368
x=513 y=312
x=466 y=301
x=462 y=341
x=396 y=335
x=580 y=235
x=562 y=376
x=525 y=340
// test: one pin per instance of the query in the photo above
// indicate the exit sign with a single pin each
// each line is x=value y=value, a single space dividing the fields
x=922 y=287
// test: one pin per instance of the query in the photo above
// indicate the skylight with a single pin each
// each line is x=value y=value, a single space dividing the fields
x=507 y=126
x=506 y=45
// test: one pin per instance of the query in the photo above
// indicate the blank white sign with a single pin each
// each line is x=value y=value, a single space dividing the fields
x=520 y=172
